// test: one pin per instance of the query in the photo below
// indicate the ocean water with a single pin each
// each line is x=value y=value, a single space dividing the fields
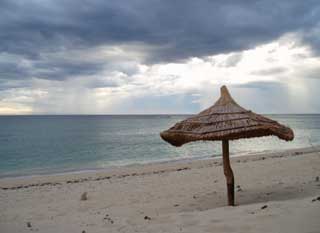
x=49 y=144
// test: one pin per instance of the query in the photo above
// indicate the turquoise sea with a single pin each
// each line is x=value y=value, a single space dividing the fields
x=49 y=144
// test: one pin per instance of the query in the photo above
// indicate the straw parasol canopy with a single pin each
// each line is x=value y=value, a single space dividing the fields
x=225 y=120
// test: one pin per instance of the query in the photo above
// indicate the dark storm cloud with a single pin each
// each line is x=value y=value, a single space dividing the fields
x=13 y=84
x=51 y=69
x=60 y=70
x=312 y=38
x=12 y=70
x=172 y=30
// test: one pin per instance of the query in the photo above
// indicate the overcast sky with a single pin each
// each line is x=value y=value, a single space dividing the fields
x=158 y=56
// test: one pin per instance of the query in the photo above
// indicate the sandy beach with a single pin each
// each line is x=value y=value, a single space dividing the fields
x=275 y=192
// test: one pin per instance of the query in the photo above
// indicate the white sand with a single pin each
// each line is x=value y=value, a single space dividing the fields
x=192 y=199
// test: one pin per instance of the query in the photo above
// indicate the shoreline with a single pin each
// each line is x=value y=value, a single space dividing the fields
x=96 y=174
x=14 y=175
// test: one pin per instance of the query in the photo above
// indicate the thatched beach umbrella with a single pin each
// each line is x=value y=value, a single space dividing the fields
x=225 y=120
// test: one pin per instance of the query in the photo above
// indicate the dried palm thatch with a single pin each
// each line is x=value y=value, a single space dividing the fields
x=225 y=120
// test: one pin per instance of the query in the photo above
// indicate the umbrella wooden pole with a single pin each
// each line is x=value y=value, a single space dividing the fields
x=228 y=172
